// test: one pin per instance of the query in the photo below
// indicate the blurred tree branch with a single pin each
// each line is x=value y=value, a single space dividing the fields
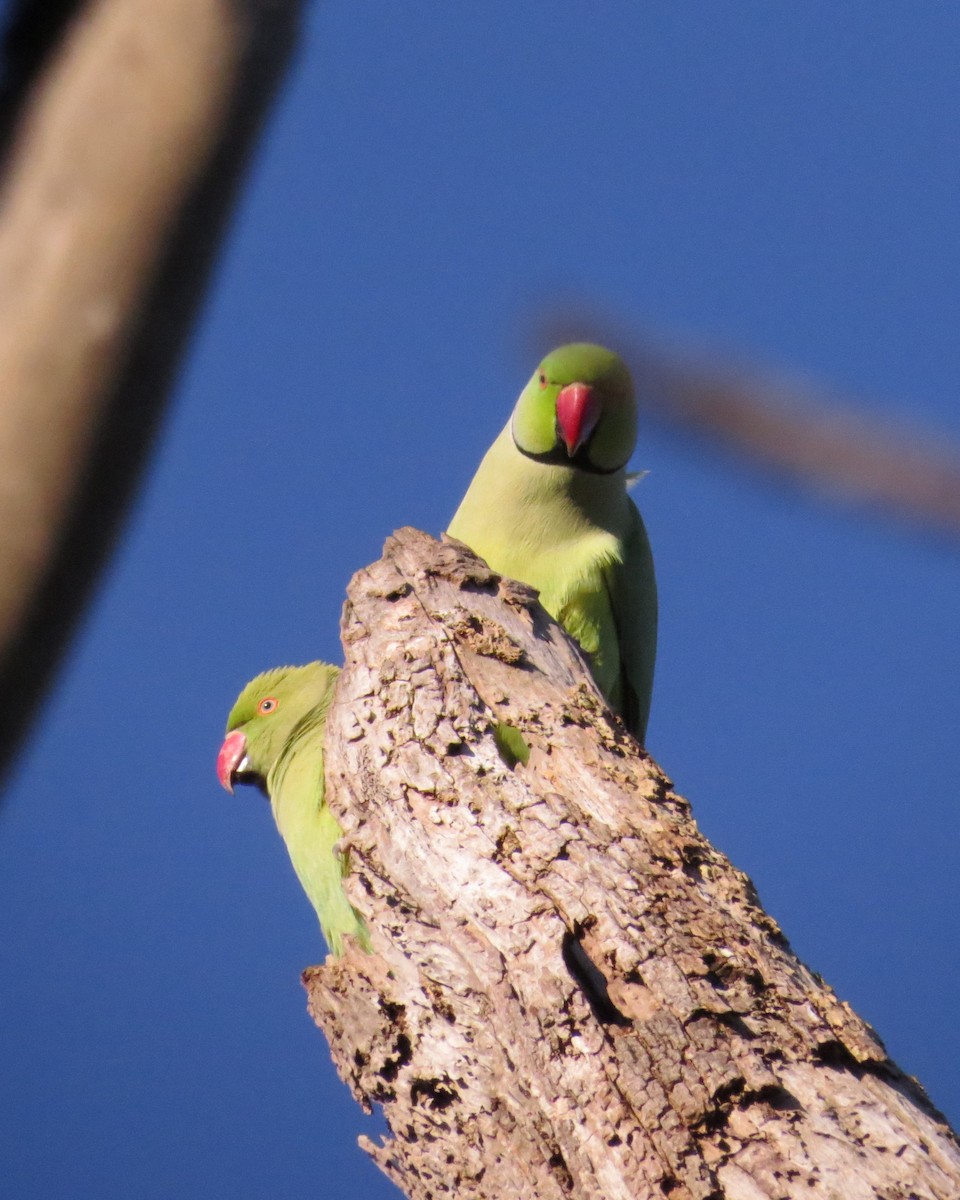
x=572 y=994
x=790 y=431
x=31 y=32
x=125 y=157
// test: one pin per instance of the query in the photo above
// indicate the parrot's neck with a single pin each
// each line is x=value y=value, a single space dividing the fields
x=551 y=526
x=539 y=496
x=297 y=775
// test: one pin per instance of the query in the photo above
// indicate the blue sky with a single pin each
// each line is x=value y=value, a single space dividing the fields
x=780 y=181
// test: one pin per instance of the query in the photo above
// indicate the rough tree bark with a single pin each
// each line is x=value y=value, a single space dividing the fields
x=573 y=994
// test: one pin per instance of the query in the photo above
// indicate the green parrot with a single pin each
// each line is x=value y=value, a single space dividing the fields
x=549 y=506
x=275 y=740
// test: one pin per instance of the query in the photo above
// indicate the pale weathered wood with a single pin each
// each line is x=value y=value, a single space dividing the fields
x=716 y=1065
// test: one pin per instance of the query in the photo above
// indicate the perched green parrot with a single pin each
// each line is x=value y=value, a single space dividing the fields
x=275 y=740
x=549 y=506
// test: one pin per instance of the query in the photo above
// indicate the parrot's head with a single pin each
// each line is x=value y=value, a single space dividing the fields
x=266 y=715
x=578 y=410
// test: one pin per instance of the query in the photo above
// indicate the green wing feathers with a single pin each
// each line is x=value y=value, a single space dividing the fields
x=311 y=834
x=632 y=587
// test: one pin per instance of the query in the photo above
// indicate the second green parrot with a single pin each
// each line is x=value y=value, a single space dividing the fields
x=275 y=738
x=549 y=506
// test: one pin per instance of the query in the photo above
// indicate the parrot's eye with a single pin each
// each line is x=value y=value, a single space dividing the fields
x=268 y=705
x=543 y=379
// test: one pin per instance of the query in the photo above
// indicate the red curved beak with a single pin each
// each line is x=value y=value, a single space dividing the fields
x=578 y=411
x=230 y=757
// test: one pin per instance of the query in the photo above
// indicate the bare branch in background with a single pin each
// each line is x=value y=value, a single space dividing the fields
x=32 y=31
x=791 y=431
x=117 y=187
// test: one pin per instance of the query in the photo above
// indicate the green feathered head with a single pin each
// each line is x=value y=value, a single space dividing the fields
x=266 y=716
x=578 y=410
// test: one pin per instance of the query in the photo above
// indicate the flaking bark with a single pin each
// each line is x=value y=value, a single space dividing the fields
x=572 y=993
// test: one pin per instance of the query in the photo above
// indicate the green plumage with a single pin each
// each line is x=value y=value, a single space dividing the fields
x=549 y=506
x=283 y=752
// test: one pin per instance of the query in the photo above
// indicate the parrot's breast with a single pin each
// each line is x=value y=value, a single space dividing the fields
x=556 y=529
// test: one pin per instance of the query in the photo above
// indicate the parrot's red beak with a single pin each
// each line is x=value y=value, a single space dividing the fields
x=230 y=757
x=578 y=411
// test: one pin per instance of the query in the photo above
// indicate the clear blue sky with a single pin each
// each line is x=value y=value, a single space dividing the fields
x=782 y=180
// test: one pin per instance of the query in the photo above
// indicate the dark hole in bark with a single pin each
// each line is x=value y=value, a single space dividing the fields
x=591 y=981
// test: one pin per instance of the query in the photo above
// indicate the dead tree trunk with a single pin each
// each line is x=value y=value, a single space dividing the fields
x=573 y=994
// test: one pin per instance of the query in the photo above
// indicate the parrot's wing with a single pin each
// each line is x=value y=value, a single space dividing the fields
x=632 y=587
